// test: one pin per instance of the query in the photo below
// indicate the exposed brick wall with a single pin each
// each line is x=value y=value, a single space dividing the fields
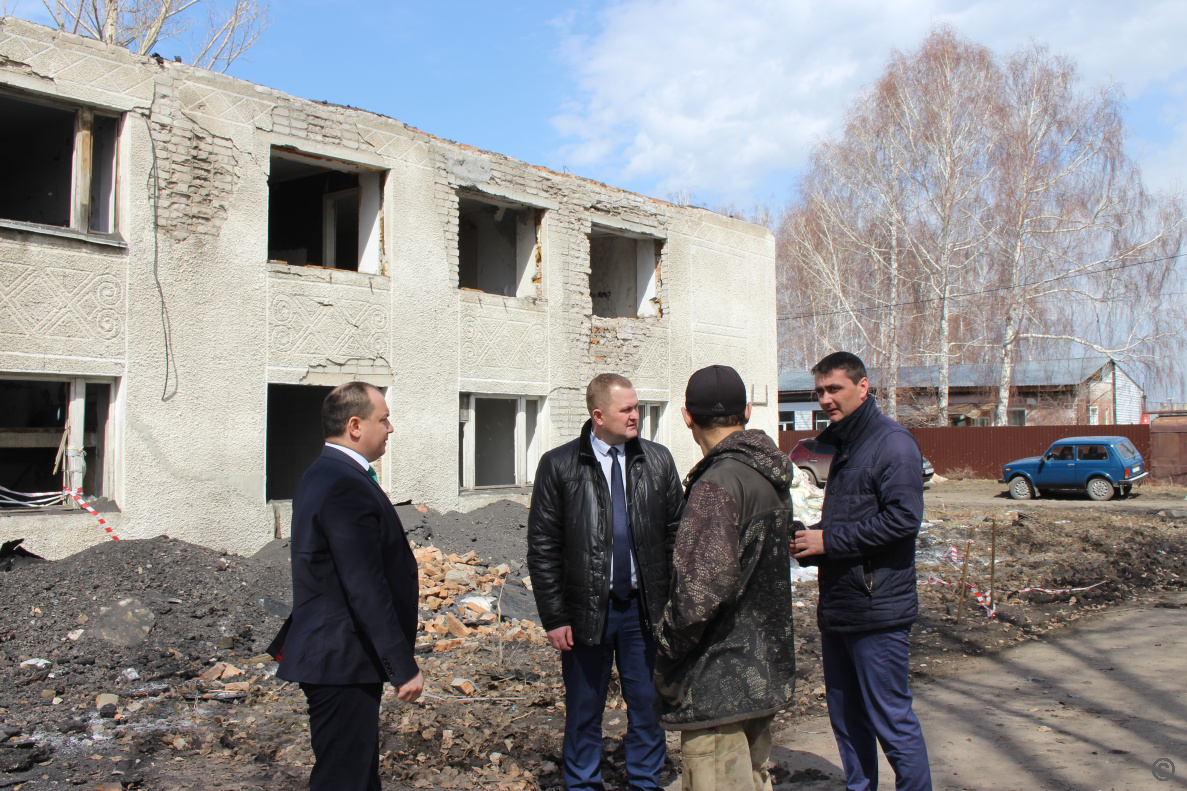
x=196 y=170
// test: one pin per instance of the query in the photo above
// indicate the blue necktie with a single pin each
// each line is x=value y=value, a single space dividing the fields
x=620 y=586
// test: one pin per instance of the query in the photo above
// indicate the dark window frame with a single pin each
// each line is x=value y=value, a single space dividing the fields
x=84 y=211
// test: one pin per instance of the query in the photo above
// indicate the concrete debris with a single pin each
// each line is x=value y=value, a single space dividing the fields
x=126 y=623
x=493 y=711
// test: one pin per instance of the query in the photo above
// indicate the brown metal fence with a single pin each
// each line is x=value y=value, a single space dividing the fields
x=983 y=450
x=1168 y=448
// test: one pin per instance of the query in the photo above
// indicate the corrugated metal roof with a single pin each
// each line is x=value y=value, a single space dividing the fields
x=796 y=380
x=1030 y=373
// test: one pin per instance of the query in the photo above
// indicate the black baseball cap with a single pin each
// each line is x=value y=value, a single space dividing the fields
x=716 y=390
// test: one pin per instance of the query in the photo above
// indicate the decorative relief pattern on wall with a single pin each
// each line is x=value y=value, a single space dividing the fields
x=648 y=366
x=725 y=305
x=507 y=345
x=60 y=303
x=724 y=238
x=718 y=349
x=635 y=348
x=309 y=330
x=225 y=106
x=118 y=75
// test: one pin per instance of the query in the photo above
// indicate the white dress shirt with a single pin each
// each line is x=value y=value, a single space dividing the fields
x=602 y=454
x=354 y=454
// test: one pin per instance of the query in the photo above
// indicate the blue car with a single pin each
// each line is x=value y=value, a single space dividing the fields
x=1100 y=466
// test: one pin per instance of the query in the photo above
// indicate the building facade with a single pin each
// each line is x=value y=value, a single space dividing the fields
x=188 y=262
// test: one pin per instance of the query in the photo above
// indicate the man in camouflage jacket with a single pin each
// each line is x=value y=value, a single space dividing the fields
x=726 y=659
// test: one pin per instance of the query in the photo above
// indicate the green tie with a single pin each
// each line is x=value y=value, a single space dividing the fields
x=373 y=474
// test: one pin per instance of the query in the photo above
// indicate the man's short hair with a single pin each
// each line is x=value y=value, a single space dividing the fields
x=597 y=394
x=718 y=421
x=848 y=362
x=352 y=399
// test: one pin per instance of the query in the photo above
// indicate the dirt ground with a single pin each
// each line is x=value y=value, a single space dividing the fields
x=984 y=494
x=1096 y=706
x=178 y=616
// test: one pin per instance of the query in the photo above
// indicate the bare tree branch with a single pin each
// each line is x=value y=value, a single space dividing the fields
x=141 y=25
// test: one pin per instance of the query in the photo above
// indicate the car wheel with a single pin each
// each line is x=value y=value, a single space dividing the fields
x=811 y=476
x=1020 y=488
x=1100 y=489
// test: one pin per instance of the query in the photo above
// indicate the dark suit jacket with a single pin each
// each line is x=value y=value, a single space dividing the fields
x=355 y=581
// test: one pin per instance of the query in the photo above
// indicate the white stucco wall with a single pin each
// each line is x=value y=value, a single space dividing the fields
x=191 y=322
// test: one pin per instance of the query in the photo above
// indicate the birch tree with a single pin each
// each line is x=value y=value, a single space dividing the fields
x=941 y=106
x=1072 y=213
x=843 y=240
x=979 y=209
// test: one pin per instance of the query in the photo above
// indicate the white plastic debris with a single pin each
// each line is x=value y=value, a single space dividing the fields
x=806 y=499
x=484 y=603
x=40 y=664
x=130 y=674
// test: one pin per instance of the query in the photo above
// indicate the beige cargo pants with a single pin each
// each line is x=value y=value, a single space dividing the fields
x=727 y=758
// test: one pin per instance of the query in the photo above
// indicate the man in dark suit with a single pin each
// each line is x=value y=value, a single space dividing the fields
x=605 y=508
x=355 y=591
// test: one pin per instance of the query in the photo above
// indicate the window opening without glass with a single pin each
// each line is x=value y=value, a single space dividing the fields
x=58 y=165
x=498 y=248
x=43 y=426
x=622 y=274
x=323 y=212
x=498 y=440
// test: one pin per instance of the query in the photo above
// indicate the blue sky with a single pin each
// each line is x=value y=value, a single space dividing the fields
x=719 y=100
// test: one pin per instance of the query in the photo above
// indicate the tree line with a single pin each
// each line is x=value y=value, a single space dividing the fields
x=979 y=209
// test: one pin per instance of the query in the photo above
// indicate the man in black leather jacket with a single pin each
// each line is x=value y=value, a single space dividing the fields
x=605 y=508
x=865 y=547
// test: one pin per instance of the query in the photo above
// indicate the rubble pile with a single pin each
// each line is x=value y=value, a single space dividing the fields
x=139 y=664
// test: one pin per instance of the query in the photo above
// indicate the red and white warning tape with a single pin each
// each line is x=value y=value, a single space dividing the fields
x=982 y=599
x=1058 y=590
x=955 y=559
x=30 y=499
x=77 y=495
x=41 y=499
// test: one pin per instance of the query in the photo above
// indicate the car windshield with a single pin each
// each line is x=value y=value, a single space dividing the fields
x=1127 y=450
x=1062 y=453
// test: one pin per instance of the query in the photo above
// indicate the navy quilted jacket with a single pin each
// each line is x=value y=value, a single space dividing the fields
x=873 y=505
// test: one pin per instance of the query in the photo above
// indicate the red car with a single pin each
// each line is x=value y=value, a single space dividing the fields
x=815 y=458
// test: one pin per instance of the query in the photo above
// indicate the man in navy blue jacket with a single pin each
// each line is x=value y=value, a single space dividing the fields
x=355 y=589
x=865 y=547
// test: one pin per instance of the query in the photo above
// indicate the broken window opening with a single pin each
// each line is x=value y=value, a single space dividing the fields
x=651 y=424
x=498 y=440
x=623 y=274
x=57 y=165
x=324 y=213
x=295 y=437
x=38 y=440
x=497 y=247
x=104 y=134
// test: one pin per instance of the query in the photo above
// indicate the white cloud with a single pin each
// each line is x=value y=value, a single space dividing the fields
x=716 y=96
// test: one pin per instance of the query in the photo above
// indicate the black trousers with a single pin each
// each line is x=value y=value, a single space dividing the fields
x=344 y=730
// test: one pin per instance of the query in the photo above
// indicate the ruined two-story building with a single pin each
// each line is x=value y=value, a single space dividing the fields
x=188 y=262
